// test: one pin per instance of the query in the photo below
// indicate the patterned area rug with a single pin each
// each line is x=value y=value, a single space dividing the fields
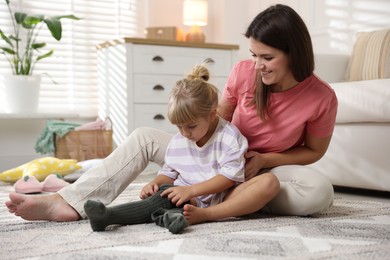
x=351 y=229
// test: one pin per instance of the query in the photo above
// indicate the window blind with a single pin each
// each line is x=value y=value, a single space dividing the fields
x=73 y=65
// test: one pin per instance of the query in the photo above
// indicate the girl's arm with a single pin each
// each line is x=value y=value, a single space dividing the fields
x=181 y=194
x=153 y=186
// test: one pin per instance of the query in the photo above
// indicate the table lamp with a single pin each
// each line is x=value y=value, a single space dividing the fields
x=195 y=15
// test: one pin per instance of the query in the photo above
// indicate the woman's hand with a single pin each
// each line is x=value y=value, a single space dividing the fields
x=148 y=190
x=179 y=194
x=254 y=163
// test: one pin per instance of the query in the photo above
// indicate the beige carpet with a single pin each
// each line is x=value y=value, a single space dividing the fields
x=351 y=229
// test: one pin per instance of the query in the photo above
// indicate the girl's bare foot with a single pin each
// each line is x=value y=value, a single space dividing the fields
x=48 y=207
x=195 y=215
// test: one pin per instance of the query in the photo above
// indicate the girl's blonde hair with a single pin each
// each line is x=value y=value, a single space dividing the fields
x=192 y=97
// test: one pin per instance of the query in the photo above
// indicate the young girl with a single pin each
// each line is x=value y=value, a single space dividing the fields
x=202 y=162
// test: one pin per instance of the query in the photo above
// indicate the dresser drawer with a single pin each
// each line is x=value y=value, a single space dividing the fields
x=153 y=88
x=152 y=115
x=179 y=60
x=156 y=89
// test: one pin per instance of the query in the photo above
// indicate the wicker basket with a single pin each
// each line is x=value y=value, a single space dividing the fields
x=84 y=145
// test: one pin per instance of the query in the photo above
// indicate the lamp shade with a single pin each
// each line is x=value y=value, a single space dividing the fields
x=195 y=12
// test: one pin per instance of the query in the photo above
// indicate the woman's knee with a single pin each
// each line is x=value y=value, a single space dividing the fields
x=303 y=192
x=152 y=141
x=323 y=194
x=316 y=194
x=146 y=134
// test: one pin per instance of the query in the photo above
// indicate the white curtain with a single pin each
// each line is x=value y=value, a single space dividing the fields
x=73 y=65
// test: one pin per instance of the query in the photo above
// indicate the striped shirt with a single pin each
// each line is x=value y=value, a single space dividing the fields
x=223 y=153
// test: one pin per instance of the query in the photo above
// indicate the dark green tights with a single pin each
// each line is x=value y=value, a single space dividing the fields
x=152 y=209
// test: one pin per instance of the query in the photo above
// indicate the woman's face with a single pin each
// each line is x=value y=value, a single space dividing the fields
x=273 y=65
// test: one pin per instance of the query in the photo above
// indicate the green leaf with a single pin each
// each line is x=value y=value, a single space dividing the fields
x=55 y=27
x=14 y=38
x=6 y=39
x=72 y=17
x=19 y=17
x=45 y=55
x=32 y=20
x=38 y=45
x=8 y=50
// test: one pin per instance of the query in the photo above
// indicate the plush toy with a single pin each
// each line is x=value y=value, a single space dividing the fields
x=40 y=169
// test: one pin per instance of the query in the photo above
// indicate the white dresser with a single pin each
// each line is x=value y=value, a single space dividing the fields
x=136 y=76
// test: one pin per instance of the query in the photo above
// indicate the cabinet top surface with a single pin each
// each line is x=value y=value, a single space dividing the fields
x=107 y=44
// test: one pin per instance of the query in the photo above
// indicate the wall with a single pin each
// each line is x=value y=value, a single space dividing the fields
x=17 y=144
x=332 y=23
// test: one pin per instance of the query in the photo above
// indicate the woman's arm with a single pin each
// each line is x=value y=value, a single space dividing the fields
x=225 y=110
x=313 y=149
x=181 y=194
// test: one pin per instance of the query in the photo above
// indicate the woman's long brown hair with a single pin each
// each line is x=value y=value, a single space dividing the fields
x=280 y=27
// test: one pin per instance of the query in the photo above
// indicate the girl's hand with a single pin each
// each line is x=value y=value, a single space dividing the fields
x=178 y=195
x=254 y=163
x=148 y=190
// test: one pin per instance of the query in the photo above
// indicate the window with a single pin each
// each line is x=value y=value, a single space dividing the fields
x=73 y=65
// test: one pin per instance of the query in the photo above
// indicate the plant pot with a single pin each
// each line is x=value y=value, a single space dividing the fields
x=22 y=93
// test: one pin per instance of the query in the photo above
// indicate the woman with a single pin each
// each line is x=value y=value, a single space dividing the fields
x=285 y=111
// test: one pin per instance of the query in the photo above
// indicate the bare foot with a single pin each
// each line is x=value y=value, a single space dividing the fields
x=47 y=207
x=195 y=215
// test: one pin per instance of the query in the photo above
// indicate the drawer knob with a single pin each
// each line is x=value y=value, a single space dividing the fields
x=209 y=61
x=158 y=117
x=158 y=87
x=157 y=58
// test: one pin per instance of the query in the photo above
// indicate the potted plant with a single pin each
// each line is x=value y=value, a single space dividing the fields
x=23 y=51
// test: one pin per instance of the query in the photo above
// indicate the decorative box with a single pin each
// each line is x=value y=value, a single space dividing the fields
x=165 y=33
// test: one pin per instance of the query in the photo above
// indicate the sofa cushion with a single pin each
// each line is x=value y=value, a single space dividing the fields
x=370 y=57
x=363 y=101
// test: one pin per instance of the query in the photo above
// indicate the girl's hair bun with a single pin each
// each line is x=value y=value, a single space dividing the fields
x=199 y=72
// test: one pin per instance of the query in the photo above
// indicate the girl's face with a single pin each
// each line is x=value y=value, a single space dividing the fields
x=200 y=130
x=273 y=65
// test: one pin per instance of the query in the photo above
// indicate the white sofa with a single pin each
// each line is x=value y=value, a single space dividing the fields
x=359 y=152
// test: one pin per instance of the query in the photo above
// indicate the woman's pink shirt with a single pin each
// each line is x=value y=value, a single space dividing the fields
x=309 y=107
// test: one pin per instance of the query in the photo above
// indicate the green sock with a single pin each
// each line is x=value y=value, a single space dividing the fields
x=175 y=222
x=136 y=212
x=172 y=219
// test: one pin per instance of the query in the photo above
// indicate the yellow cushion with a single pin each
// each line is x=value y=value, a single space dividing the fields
x=41 y=168
x=13 y=174
x=370 y=57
